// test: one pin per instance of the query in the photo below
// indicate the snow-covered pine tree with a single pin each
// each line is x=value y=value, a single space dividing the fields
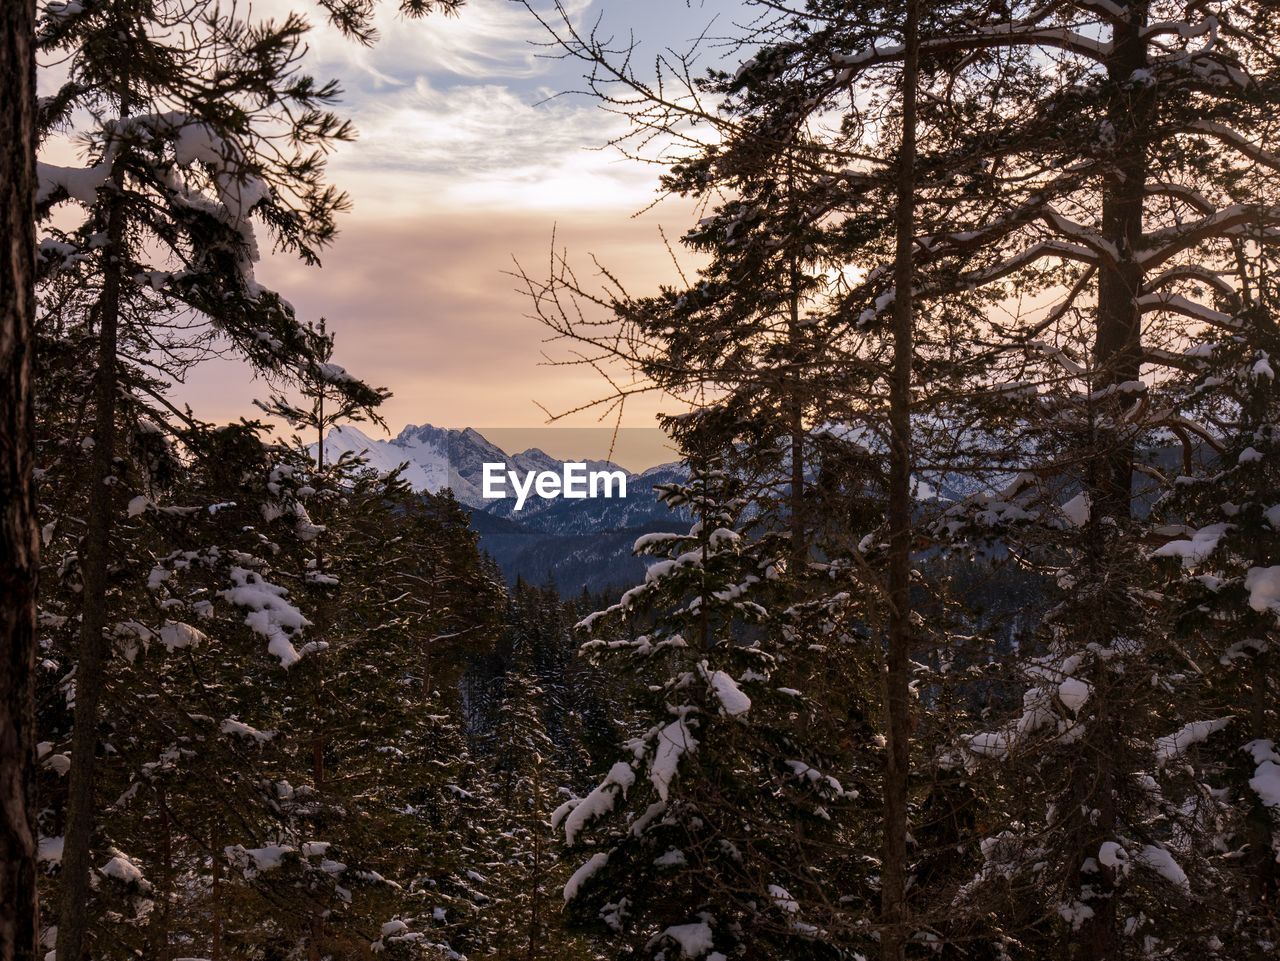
x=1130 y=161
x=177 y=171
x=522 y=781
x=182 y=722
x=782 y=333
x=378 y=714
x=1091 y=150
x=526 y=780
x=179 y=110
x=1220 y=556
x=210 y=585
x=730 y=813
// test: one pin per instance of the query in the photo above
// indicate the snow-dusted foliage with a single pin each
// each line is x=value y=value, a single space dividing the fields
x=695 y=828
x=311 y=725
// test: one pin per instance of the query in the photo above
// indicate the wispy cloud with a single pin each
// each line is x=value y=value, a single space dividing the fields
x=465 y=159
x=488 y=145
x=491 y=40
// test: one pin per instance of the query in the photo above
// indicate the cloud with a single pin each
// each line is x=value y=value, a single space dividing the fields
x=487 y=145
x=490 y=40
x=462 y=162
x=465 y=111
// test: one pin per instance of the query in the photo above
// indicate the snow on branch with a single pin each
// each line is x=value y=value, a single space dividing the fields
x=1266 y=780
x=1263 y=585
x=77 y=183
x=1191 y=272
x=1185 y=31
x=238 y=188
x=1162 y=245
x=576 y=814
x=1079 y=233
x=1158 y=859
x=583 y=874
x=1012 y=34
x=1175 y=745
x=1188 y=195
x=671 y=744
x=1059 y=356
x=1238 y=142
x=732 y=700
x=1042 y=250
x=1176 y=303
x=270 y=613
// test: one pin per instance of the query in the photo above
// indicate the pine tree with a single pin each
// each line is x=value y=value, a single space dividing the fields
x=327 y=405
x=352 y=835
x=725 y=807
x=1099 y=173
x=1220 y=542
x=179 y=169
x=800 y=231
x=1082 y=183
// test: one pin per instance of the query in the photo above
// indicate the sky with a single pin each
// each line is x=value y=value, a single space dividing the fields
x=466 y=162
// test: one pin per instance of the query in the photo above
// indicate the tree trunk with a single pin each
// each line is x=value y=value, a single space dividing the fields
x=164 y=922
x=1109 y=480
x=897 y=680
x=320 y=428
x=1261 y=864
x=215 y=894
x=795 y=398
x=19 y=541
x=73 y=911
x=1094 y=786
x=317 y=912
x=795 y=416
x=535 y=893
x=1118 y=334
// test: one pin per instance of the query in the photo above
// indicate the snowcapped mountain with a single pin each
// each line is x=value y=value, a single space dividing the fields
x=439 y=457
x=433 y=457
x=422 y=471
x=576 y=543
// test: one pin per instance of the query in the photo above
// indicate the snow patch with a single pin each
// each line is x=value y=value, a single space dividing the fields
x=732 y=700
x=1266 y=782
x=270 y=613
x=673 y=742
x=240 y=729
x=1263 y=585
x=584 y=874
x=123 y=869
x=694 y=940
x=175 y=635
x=1073 y=693
x=1197 y=549
x=256 y=861
x=1161 y=861
x=577 y=815
x=1175 y=745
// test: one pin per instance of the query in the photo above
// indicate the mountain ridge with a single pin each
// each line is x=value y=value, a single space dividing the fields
x=576 y=544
